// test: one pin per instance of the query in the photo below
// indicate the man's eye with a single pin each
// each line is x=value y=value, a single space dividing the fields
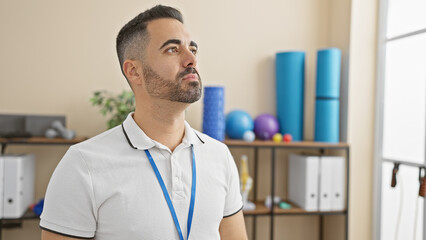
x=172 y=50
x=194 y=51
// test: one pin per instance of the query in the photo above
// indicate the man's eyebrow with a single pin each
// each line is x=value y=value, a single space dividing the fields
x=193 y=44
x=177 y=41
x=170 y=41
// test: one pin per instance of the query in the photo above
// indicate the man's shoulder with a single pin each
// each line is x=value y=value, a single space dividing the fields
x=106 y=139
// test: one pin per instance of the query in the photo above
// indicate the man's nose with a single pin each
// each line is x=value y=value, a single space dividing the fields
x=189 y=59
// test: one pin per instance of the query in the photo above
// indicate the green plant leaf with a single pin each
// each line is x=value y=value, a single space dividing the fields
x=117 y=107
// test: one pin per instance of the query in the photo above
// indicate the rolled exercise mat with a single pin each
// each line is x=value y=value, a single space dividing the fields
x=328 y=73
x=327 y=120
x=213 y=112
x=290 y=85
x=327 y=95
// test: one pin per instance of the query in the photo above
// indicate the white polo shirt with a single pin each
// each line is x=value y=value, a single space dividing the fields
x=106 y=188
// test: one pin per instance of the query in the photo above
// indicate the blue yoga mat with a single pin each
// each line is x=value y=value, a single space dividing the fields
x=290 y=82
x=327 y=120
x=328 y=73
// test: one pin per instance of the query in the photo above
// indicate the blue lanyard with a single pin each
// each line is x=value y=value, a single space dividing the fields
x=167 y=196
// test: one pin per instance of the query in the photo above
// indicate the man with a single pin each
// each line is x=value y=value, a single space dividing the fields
x=153 y=177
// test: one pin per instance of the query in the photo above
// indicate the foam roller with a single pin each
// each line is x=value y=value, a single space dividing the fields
x=213 y=112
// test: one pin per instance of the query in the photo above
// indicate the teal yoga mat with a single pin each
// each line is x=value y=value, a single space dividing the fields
x=327 y=95
x=290 y=82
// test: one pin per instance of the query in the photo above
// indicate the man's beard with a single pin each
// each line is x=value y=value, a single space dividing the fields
x=172 y=90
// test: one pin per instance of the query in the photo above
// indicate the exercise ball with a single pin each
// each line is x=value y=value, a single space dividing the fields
x=237 y=123
x=265 y=126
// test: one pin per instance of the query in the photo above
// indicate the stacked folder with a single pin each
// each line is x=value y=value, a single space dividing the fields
x=317 y=183
x=16 y=184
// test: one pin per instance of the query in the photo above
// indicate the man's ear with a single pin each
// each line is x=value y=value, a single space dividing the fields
x=133 y=71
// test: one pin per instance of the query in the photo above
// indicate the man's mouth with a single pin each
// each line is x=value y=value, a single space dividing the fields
x=190 y=77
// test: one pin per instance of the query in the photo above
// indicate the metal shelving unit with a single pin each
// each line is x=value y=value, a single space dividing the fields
x=261 y=210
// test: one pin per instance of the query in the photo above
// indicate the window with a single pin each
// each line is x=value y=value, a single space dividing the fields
x=400 y=121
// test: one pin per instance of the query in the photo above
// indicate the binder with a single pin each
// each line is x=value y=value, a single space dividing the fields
x=303 y=181
x=338 y=184
x=317 y=183
x=1 y=185
x=18 y=173
x=326 y=183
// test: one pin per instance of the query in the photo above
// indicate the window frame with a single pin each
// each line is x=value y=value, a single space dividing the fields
x=382 y=41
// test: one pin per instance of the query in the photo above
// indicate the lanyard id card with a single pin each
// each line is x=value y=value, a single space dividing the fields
x=167 y=196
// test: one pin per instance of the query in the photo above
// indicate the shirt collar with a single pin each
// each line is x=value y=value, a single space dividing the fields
x=137 y=138
x=191 y=136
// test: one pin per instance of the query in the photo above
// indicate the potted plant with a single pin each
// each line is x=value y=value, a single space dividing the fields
x=117 y=107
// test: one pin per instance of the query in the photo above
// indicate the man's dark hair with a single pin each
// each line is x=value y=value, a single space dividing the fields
x=133 y=37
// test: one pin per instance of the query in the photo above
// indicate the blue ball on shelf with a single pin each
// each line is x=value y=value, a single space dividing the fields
x=237 y=123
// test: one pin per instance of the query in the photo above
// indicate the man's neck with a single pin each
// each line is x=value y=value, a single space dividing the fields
x=162 y=121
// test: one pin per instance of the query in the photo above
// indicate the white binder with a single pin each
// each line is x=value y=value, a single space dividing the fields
x=303 y=181
x=317 y=183
x=1 y=185
x=338 y=184
x=326 y=183
x=18 y=193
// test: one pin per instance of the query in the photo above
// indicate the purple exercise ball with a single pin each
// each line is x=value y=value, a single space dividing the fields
x=265 y=126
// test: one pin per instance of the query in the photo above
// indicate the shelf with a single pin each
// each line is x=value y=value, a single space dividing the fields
x=302 y=144
x=294 y=210
x=29 y=214
x=41 y=140
x=17 y=222
x=260 y=210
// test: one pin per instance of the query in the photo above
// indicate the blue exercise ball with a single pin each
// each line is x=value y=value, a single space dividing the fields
x=237 y=123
